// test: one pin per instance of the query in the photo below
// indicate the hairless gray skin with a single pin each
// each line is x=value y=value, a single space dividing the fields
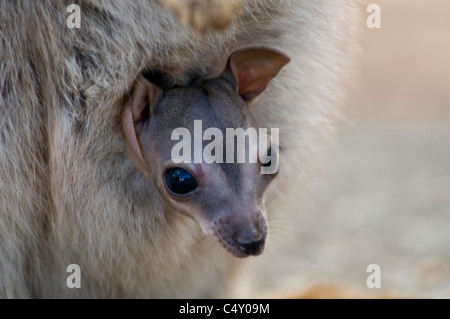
x=226 y=199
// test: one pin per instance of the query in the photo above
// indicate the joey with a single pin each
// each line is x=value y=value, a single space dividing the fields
x=226 y=199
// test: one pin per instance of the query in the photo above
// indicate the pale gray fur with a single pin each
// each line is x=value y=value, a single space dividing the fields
x=68 y=191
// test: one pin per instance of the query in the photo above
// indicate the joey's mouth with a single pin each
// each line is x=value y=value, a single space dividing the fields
x=243 y=250
x=243 y=243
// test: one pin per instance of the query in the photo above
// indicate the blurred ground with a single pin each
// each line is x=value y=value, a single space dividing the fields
x=385 y=196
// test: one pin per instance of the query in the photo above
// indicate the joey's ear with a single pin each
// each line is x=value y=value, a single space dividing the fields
x=254 y=68
x=148 y=91
x=139 y=108
x=145 y=97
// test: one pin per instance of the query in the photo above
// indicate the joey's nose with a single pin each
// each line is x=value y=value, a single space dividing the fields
x=252 y=247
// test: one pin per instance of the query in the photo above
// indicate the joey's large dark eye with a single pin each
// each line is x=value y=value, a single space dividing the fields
x=180 y=181
x=269 y=153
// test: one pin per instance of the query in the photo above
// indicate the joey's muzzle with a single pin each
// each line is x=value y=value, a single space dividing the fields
x=242 y=235
x=250 y=245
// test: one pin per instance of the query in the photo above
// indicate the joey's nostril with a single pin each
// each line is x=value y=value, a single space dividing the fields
x=254 y=247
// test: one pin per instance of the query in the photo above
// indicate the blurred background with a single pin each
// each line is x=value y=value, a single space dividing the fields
x=384 y=197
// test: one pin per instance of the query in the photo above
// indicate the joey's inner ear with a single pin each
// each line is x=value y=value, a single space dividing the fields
x=144 y=100
x=139 y=108
x=254 y=68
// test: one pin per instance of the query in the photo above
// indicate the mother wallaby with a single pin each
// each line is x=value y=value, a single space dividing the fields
x=84 y=176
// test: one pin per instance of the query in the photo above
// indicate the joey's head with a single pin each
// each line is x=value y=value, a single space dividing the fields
x=183 y=139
